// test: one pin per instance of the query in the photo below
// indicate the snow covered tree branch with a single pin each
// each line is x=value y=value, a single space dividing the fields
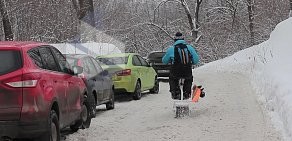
x=193 y=22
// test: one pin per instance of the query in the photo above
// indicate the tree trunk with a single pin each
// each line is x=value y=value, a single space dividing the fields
x=199 y=2
x=6 y=22
x=290 y=13
x=91 y=18
x=85 y=13
x=190 y=19
x=82 y=7
x=250 y=8
x=91 y=13
x=194 y=23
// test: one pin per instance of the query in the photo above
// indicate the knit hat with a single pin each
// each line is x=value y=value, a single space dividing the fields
x=178 y=36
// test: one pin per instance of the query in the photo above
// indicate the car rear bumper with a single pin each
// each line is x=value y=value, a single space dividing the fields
x=120 y=91
x=163 y=74
x=17 y=129
x=123 y=86
x=161 y=66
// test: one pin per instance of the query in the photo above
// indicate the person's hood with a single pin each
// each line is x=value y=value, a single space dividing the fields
x=179 y=42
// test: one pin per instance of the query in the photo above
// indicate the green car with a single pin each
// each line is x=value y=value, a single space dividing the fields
x=130 y=73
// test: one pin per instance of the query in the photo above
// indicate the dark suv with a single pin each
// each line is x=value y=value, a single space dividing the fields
x=155 y=60
x=98 y=81
x=39 y=92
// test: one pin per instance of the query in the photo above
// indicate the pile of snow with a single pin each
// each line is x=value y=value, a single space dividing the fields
x=268 y=65
x=92 y=48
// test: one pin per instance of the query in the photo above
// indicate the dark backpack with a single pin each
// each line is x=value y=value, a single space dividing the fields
x=185 y=58
x=182 y=64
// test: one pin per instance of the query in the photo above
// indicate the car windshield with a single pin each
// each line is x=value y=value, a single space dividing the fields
x=113 y=60
x=12 y=61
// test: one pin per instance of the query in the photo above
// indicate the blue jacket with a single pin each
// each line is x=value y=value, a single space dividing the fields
x=169 y=55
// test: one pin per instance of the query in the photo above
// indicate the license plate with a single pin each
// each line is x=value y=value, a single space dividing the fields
x=163 y=71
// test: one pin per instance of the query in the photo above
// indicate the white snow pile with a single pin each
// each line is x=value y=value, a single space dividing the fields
x=269 y=67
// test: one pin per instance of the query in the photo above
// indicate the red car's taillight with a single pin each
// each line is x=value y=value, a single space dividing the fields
x=124 y=72
x=25 y=80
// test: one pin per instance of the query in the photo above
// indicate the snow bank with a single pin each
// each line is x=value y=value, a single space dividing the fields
x=269 y=68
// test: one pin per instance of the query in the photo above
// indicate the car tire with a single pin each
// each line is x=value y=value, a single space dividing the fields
x=155 y=89
x=75 y=127
x=85 y=118
x=54 y=129
x=111 y=104
x=92 y=104
x=137 y=93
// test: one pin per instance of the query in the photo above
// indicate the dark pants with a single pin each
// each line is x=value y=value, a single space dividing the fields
x=174 y=79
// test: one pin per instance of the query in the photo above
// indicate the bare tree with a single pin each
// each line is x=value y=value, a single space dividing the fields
x=85 y=13
x=250 y=8
x=6 y=22
x=91 y=13
x=198 y=5
x=225 y=24
x=84 y=8
x=147 y=25
x=81 y=7
x=290 y=13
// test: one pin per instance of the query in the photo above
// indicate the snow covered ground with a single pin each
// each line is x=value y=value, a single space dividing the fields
x=227 y=113
x=248 y=97
x=268 y=67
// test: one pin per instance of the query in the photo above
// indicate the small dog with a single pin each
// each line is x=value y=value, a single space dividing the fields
x=202 y=94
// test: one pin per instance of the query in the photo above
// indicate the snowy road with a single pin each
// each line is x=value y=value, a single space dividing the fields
x=229 y=112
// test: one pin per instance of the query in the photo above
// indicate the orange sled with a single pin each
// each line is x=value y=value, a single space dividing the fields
x=197 y=93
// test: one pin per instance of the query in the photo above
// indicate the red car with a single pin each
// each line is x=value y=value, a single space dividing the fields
x=39 y=92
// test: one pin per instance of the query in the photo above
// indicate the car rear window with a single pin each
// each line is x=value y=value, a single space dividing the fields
x=156 y=55
x=71 y=61
x=12 y=61
x=113 y=60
